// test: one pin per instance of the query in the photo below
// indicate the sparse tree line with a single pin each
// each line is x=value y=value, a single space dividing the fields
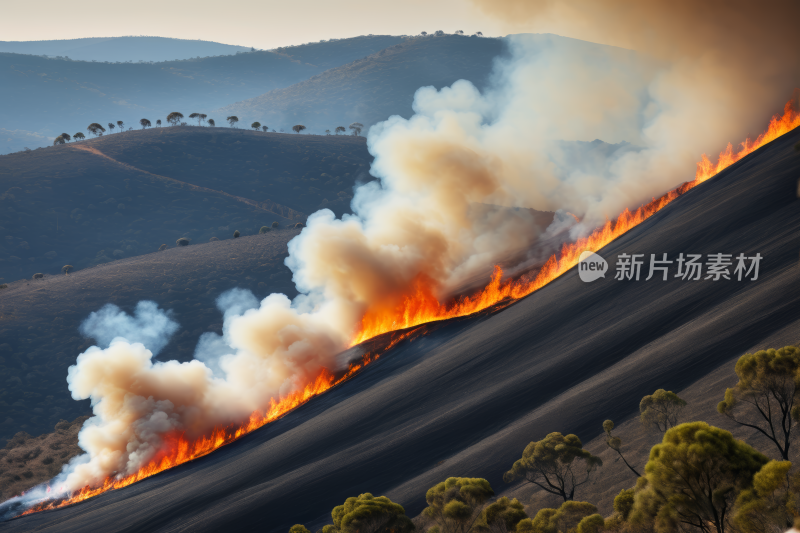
x=176 y=119
x=698 y=478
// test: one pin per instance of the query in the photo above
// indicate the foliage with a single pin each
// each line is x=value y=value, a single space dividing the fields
x=145 y=123
x=3 y=286
x=693 y=477
x=211 y=122
x=59 y=140
x=120 y=124
x=236 y=234
x=298 y=528
x=501 y=516
x=174 y=118
x=772 y=503
x=615 y=443
x=263 y=230
x=79 y=136
x=661 y=409
x=591 y=524
x=66 y=269
x=369 y=514
x=455 y=504
x=275 y=224
x=232 y=120
x=550 y=464
x=327 y=132
x=255 y=125
x=564 y=519
x=95 y=129
x=164 y=247
x=264 y=128
x=66 y=136
x=111 y=126
x=623 y=503
x=297 y=128
x=158 y=122
x=767 y=387
x=38 y=275
x=340 y=129
x=356 y=127
x=183 y=241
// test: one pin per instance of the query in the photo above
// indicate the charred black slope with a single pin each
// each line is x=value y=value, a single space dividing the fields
x=140 y=189
x=467 y=398
x=39 y=319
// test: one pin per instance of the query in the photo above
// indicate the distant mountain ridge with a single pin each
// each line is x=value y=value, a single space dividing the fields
x=123 y=49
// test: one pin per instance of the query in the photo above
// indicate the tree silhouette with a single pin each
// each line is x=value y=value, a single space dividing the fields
x=264 y=128
x=120 y=124
x=145 y=123
x=197 y=116
x=79 y=136
x=327 y=132
x=459 y=32
x=424 y=33
x=59 y=140
x=66 y=136
x=479 y=34
x=255 y=125
x=95 y=129
x=298 y=128
x=158 y=122
x=111 y=126
x=340 y=129
x=356 y=127
x=202 y=117
x=232 y=120
x=174 y=118
x=211 y=122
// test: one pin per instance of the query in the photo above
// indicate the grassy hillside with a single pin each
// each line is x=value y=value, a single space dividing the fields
x=122 y=49
x=466 y=398
x=49 y=96
x=39 y=319
x=138 y=190
x=373 y=88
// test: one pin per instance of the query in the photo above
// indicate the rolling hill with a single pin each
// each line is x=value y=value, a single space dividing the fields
x=122 y=49
x=48 y=96
x=127 y=194
x=465 y=398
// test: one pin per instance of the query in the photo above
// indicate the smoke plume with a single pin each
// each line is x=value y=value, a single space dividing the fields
x=458 y=182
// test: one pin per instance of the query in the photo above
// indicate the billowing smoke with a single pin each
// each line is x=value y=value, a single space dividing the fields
x=458 y=183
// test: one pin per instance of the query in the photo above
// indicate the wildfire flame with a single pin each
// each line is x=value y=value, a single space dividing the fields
x=422 y=306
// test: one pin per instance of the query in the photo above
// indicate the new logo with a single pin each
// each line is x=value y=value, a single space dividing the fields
x=591 y=266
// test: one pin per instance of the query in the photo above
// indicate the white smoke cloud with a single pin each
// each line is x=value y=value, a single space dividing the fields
x=457 y=184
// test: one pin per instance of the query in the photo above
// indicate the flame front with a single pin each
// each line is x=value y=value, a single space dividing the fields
x=421 y=306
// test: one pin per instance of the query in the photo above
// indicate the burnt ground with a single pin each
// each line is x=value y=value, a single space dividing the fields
x=39 y=319
x=465 y=399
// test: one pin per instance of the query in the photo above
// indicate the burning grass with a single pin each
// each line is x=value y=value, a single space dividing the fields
x=421 y=307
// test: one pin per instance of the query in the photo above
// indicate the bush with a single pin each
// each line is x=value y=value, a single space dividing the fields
x=299 y=225
x=3 y=286
x=183 y=241
x=263 y=230
x=213 y=239
x=162 y=247
x=298 y=528
x=66 y=269
x=236 y=234
x=276 y=225
x=38 y=275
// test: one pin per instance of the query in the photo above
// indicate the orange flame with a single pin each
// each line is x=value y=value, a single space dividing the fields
x=421 y=306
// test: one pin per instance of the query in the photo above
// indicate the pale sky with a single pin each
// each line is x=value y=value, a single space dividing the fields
x=262 y=24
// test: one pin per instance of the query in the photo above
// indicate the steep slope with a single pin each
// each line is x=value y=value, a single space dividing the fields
x=373 y=88
x=467 y=397
x=122 y=49
x=126 y=194
x=39 y=319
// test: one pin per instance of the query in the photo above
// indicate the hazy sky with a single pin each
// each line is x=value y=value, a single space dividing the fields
x=258 y=23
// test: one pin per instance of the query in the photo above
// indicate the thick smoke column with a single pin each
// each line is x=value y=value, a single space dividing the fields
x=457 y=182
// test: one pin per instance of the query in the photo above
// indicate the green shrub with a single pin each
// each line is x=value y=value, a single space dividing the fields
x=298 y=528
x=183 y=241
x=66 y=269
x=3 y=286
x=163 y=247
x=38 y=275
x=236 y=234
x=276 y=225
x=263 y=230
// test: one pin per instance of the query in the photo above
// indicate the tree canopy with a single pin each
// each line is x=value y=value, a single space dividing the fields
x=174 y=118
x=340 y=129
x=552 y=465
x=693 y=477
x=661 y=409
x=297 y=128
x=58 y=140
x=79 y=136
x=66 y=136
x=369 y=514
x=211 y=122
x=111 y=126
x=767 y=388
x=564 y=519
x=95 y=129
x=772 y=503
x=255 y=125
x=502 y=515
x=455 y=504
x=145 y=123
x=232 y=120
x=356 y=127
x=120 y=124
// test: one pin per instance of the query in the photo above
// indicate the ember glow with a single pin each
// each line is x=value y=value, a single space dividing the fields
x=422 y=306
